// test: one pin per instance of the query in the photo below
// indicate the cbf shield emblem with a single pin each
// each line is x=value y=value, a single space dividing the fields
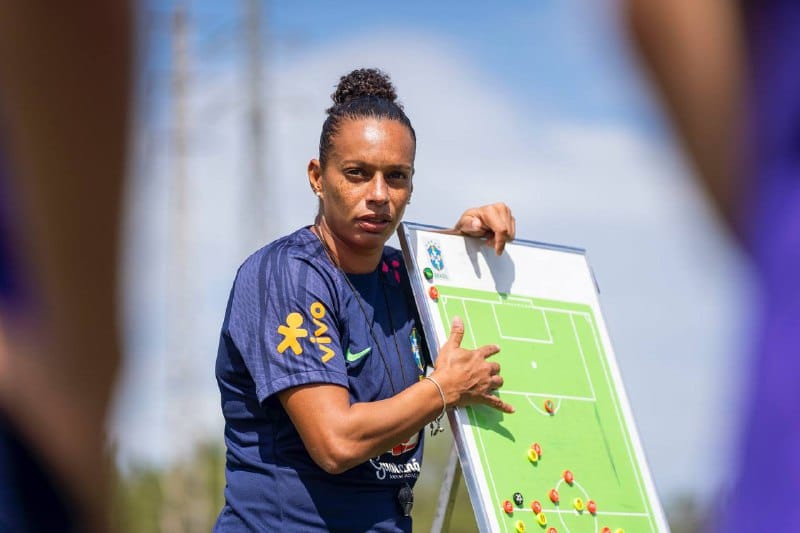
x=414 y=340
x=435 y=255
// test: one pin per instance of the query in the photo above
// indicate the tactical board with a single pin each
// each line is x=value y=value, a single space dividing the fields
x=569 y=459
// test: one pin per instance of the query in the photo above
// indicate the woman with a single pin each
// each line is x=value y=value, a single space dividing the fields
x=322 y=383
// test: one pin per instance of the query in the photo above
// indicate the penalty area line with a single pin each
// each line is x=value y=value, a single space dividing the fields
x=550 y=396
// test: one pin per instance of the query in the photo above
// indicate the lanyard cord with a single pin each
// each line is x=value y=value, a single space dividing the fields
x=370 y=324
x=394 y=331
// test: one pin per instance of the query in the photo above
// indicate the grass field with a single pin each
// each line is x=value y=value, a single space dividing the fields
x=551 y=351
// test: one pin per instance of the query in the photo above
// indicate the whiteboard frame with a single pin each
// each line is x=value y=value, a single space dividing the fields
x=458 y=418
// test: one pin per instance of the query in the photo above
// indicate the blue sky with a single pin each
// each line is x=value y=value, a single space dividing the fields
x=545 y=53
x=538 y=104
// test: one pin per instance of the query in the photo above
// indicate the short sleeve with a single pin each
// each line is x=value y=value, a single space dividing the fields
x=282 y=320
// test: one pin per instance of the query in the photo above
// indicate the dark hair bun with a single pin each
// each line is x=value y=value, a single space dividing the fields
x=364 y=82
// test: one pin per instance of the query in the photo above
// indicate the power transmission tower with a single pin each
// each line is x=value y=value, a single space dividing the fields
x=186 y=499
x=183 y=495
x=256 y=187
x=178 y=283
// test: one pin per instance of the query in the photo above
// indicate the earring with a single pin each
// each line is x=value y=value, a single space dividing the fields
x=318 y=193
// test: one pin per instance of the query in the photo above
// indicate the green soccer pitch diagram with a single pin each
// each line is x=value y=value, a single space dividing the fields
x=568 y=460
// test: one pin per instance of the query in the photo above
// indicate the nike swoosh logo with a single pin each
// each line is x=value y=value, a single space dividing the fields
x=350 y=356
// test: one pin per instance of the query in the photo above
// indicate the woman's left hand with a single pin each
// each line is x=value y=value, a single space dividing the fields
x=492 y=221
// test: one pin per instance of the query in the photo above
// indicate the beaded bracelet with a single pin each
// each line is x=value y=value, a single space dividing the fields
x=436 y=425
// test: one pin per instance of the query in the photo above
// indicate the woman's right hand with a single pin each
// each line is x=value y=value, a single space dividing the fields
x=466 y=376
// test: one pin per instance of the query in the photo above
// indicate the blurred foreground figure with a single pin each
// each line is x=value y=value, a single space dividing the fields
x=696 y=51
x=64 y=84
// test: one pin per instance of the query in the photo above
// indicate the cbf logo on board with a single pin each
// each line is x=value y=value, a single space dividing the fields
x=434 y=250
x=435 y=254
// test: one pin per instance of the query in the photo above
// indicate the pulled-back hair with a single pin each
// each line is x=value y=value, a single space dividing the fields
x=363 y=93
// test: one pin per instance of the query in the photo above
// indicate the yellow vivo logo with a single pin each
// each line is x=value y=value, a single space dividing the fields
x=293 y=331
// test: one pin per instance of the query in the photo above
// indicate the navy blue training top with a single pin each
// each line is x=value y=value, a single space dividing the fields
x=292 y=319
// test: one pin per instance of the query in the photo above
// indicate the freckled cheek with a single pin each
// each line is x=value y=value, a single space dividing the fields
x=401 y=196
x=351 y=198
x=344 y=202
x=399 y=201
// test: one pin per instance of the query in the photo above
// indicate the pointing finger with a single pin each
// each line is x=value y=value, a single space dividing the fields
x=489 y=350
x=495 y=402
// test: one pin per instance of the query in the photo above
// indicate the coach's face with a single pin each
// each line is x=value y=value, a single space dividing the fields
x=365 y=184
